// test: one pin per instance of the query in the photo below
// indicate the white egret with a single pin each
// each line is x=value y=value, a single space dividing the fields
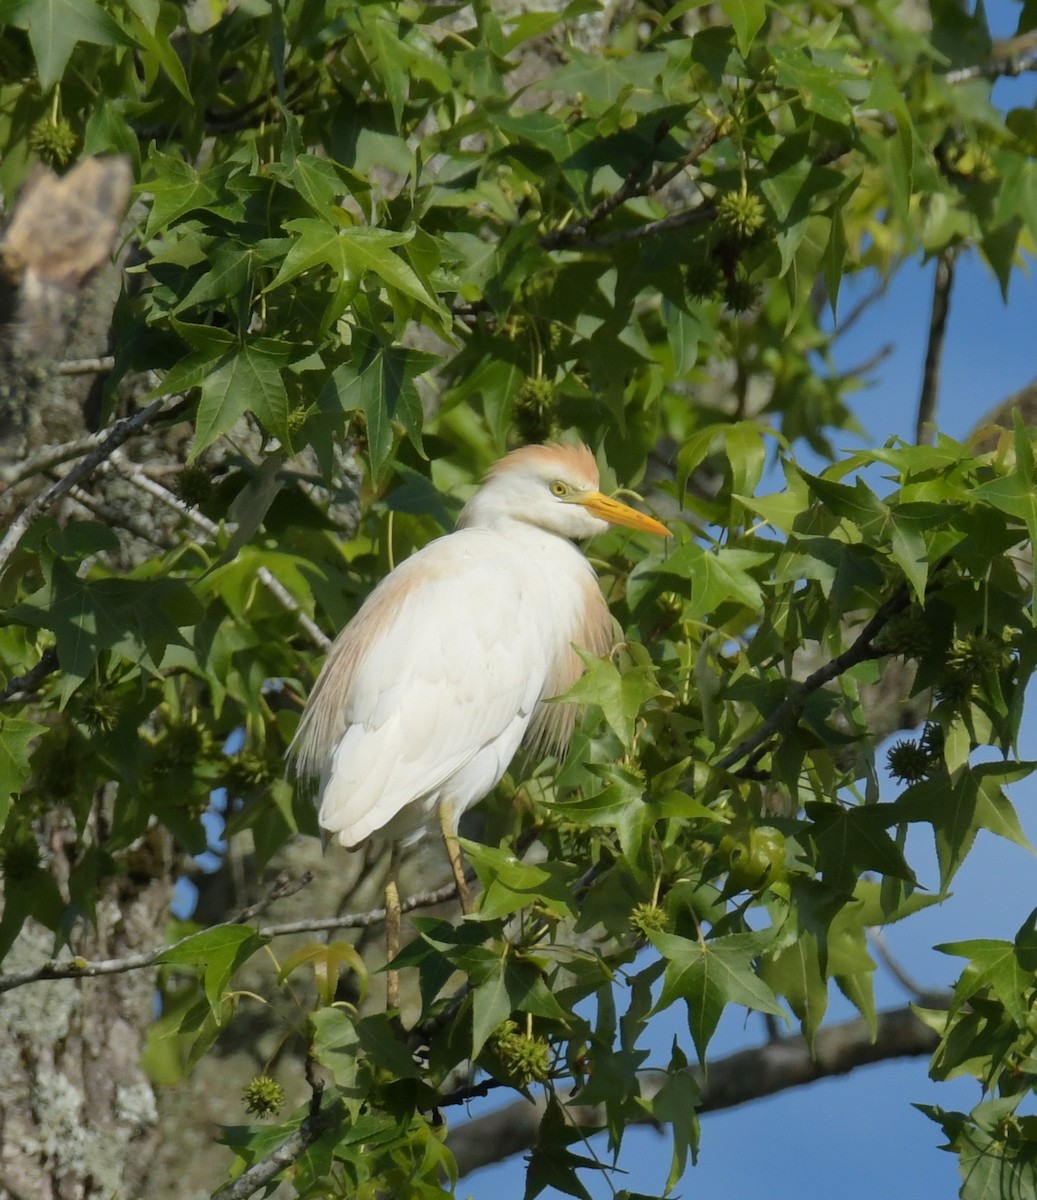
x=428 y=692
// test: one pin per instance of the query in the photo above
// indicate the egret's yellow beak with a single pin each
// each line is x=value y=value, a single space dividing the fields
x=600 y=505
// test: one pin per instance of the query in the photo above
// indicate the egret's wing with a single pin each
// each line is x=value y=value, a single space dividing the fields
x=444 y=659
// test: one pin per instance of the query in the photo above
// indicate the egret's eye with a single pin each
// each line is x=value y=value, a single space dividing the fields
x=559 y=489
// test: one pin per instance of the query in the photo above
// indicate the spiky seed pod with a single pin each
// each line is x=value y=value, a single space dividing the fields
x=247 y=772
x=741 y=294
x=297 y=418
x=649 y=918
x=976 y=655
x=970 y=661
x=19 y=858
x=535 y=409
x=703 y=279
x=54 y=141
x=97 y=709
x=526 y=1059
x=908 y=761
x=909 y=634
x=57 y=764
x=263 y=1096
x=193 y=484
x=741 y=215
x=182 y=746
x=932 y=740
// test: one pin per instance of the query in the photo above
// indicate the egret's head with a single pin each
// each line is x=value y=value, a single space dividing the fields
x=555 y=487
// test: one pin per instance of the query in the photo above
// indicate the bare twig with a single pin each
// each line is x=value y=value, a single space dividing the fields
x=119 y=433
x=872 y=296
x=273 y=585
x=114 y=518
x=862 y=649
x=283 y=886
x=930 y=393
x=52 y=456
x=86 y=366
x=1000 y=66
x=80 y=968
x=914 y=989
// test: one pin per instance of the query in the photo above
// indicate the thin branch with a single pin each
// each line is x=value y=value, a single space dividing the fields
x=620 y=237
x=283 y=886
x=81 y=968
x=776 y=1066
x=941 y=306
x=568 y=235
x=31 y=680
x=86 y=366
x=998 y=68
x=862 y=649
x=914 y=989
x=872 y=296
x=119 y=433
x=117 y=520
x=261 y=1173
x=273 y=585
x=52 y=456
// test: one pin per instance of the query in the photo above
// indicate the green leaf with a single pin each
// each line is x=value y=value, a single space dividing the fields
x=381 y=385
x=336 y=1046
x=15 y=736
x=746 y=17
x=795 y=973
x=674 y=1104
x=717 y=577
x=709 y=975
x=218 y=952
x=853 y=840
x=510 y=885
x=619 y=695
x=56 y=26
x=351 y=254
x=248 y=379
x=178 y=188
x=960 y=806
x=327 y=961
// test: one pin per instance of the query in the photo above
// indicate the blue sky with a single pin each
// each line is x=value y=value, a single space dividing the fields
x=858 y=1137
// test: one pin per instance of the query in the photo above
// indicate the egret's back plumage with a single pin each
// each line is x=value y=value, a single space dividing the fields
x=448 y=666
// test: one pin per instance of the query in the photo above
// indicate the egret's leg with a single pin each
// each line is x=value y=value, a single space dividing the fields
x=392 y=927
x=453 y=851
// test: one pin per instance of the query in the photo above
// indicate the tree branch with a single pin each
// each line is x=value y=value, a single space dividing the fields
x=119 y=433
x=568 y=235
x=862 y=649
x=31 y=680
x=81 y=968
x=262 y=1172
x=273 y=585
x=776 y=1066
x=939 y=312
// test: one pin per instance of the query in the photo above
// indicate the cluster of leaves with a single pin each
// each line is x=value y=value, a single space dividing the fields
x=989 y=1034
x=321 y=183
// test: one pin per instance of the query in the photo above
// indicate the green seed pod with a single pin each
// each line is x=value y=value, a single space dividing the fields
x=741 y=214
x=526 y=1059
x=54 y=141
x=263 y=1096
x=649 y=918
